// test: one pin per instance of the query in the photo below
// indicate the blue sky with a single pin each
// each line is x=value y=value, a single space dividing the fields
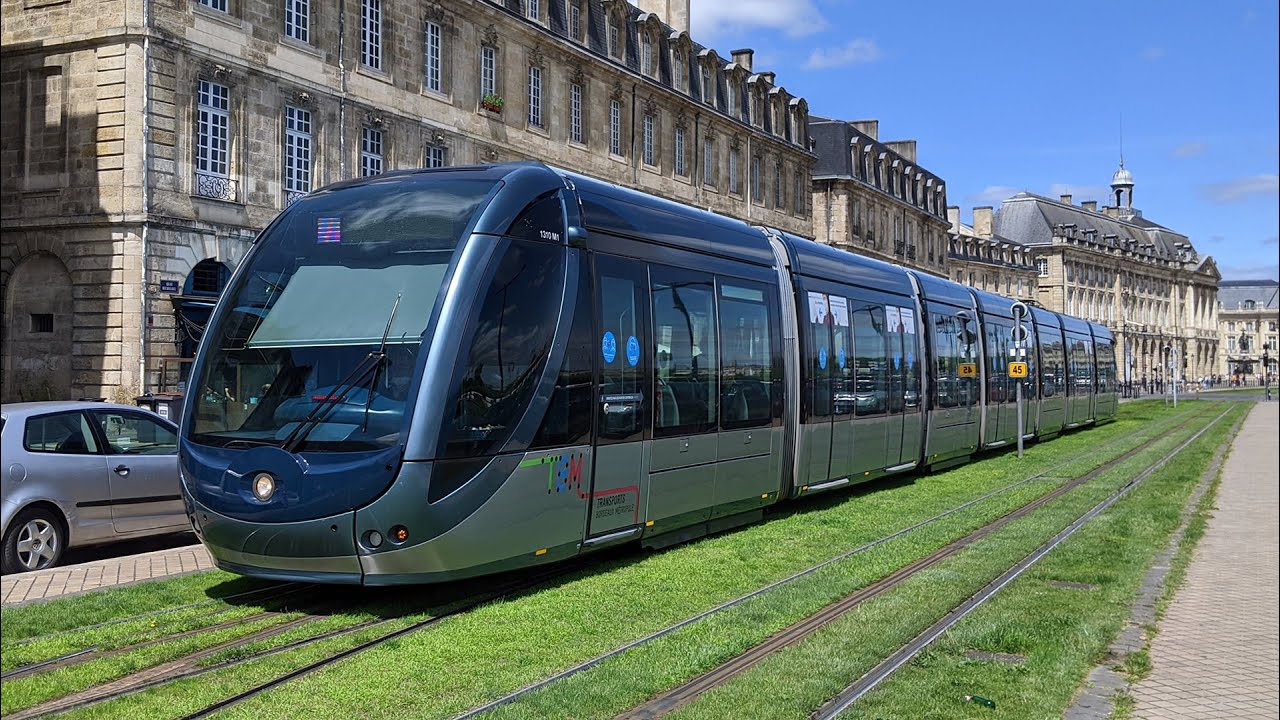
x=1010 y=96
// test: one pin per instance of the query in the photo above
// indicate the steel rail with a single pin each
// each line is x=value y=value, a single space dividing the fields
x=863 y=685
x=1171 y=423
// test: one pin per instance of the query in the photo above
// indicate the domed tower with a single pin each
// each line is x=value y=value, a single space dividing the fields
x=1122 y=187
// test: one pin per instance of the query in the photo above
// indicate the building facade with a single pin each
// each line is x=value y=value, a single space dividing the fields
x=1111 y=265
x=1248 y=322
x=150 y=142
x=979 y=258
x=874 y=199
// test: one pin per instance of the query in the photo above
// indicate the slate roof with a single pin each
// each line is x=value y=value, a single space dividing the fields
x=1032 y=218
x=831 y=139
x=1233 y=293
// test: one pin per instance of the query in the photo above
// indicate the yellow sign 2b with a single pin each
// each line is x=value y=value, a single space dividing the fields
x=1018 y=370
x=968 y=370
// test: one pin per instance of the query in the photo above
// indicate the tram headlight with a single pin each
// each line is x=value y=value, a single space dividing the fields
x=264 y=486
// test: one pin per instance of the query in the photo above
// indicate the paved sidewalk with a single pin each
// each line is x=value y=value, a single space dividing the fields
x=1217 y=653
x=72 y=579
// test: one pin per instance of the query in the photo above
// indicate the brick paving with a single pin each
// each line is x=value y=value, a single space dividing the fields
x=1217 y=653
x=85 y=577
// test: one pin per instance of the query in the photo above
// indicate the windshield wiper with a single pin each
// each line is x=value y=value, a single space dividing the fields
x=382 y=358
x=370 y=363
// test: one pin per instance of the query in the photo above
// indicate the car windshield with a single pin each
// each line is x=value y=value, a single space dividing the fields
x=325 y=324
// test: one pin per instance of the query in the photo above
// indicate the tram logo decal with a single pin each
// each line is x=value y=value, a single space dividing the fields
x=564 y=472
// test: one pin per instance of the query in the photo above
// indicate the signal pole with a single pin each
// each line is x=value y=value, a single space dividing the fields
x=1019 y=310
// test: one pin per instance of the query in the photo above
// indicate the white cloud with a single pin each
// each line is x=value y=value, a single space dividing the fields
x=1078 y=192
x=1241 y=189
x=1190 y=149
x=859 y=51
x=1153 y=53
x=796 y=18
x=992 y=195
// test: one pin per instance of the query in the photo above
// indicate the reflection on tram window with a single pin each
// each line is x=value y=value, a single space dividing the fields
x=746 y=357
x=686 y=360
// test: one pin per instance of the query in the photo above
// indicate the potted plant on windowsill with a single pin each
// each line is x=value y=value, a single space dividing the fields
x=492 y=103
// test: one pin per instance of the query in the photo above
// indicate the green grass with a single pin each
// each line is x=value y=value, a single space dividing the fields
x=472 y=658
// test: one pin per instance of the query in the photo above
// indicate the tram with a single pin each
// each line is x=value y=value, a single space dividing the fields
x=430 y=375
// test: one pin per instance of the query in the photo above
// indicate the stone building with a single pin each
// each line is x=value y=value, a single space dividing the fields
x=1111 y=265
x=145 y=143
x=1248 y=317
x=981 y=259
x=873 y=198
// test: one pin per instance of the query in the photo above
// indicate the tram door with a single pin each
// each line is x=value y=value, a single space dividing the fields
x=623 y=405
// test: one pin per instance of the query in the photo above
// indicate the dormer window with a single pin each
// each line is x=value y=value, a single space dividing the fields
x=615 y=37
x=646 y=53
x=677 y=68
x=531 y=9
x=708 y=90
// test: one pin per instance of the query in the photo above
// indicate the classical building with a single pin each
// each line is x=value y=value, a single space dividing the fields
x=874 y=199
x=1144 y=281
x=1248 y=317
x=981 y=259
x=145 y=144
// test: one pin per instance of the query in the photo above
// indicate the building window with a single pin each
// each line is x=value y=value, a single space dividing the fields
x=648 y=139
x=798 y=192
x=41 y=322
x=677 y=69
x=371 y=33
x=681 y=169
x=708 y=92
x=728 y=96
x=219 y=5
x=575 y=113
x=646 y=54
x=778 y=200
x=488 y=71
x=535 y=96
x=435 y=157
x=531 y=9
x=297 y=153
x=614 y=50
x=1042 y=267
x=213 y=142
x=1231 y=326
x=708 y=161
x=431 y=58
x=757 y=192
x=615 y=127
x=370 y=152
x=734 y=186
x=575 y=21
x=297 y=19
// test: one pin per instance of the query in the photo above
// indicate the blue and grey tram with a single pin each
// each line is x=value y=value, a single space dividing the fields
x=431 y=375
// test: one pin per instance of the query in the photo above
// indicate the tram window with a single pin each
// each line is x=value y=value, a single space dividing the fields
x=1051 y=382
x=955 y=345
x=568 y=419
x=543 y=219
x=510 y=340
x=623 y=383
x=820 y=351
x=998 y=387
x=746 y=357
x=685 y=389
x=905 y=359
x=840 y=365
x=1106 y=368
x=871 y=376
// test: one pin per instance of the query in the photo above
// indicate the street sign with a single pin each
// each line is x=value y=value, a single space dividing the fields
x=968 y=370
x=1017 y=369
x=1020 y=333
x=168 y=286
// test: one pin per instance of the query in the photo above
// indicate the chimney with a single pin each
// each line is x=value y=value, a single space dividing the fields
x=953 y=217
x=1090 y=205
x=982 y=220
x=870 y=128
x=905 y=148
x=743 y=57
x=768 y=77
x=672 y=12
x=1064 y=199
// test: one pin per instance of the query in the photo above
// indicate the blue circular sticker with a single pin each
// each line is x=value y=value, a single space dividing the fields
x=822 y=358
x=633 y=350
x=609 y=347
x=840 y=357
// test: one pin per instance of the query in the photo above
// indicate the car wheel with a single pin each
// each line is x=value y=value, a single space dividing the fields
x=35 y=541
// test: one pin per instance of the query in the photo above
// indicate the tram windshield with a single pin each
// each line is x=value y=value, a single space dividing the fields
x=317 y=348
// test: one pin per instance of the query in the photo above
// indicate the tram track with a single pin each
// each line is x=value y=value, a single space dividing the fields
x=191 y=665
x=1162 y=431
x=853 y=692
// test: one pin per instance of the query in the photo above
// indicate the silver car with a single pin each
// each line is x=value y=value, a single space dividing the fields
x=83 y=473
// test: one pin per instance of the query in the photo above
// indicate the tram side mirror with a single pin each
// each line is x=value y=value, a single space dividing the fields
x=577 y=236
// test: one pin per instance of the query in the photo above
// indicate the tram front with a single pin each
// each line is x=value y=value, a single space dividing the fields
x=383 y=344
